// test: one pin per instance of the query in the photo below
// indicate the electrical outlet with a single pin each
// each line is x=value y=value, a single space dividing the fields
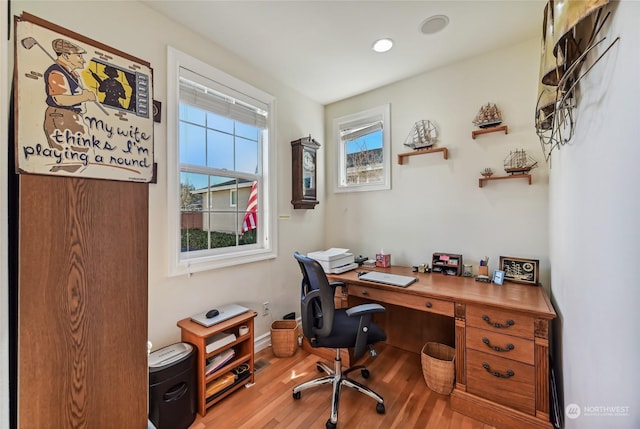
x=266 y=308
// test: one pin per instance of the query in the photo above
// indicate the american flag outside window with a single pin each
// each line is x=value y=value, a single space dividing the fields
x=251 y=216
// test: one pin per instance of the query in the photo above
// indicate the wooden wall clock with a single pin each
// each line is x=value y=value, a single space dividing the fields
x=304 y=173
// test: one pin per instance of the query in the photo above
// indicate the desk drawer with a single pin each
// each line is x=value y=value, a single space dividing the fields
x=504 y=381
x=403 y=299
x=514 y=348
x=500 y=321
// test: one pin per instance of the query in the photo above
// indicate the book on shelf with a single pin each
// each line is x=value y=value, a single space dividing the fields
x=216 y=362
x=220 y=383
x=219 y=340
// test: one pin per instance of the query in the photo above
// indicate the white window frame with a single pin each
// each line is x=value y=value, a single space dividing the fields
x=381 y=113
x=267 y=202
x=232 y=193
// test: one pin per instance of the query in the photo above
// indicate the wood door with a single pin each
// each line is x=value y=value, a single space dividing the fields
x=82 y=303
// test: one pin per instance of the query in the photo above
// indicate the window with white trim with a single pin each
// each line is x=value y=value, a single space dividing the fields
x=364 y=150
x=233 y=198
x=220 y=159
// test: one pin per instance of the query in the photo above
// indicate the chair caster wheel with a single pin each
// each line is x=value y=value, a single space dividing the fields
x=365 y=373
x=331 y=425
x=380 y=408
x=297 y=395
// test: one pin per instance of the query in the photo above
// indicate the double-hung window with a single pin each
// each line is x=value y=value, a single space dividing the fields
x=221 y=161
x=364 y=150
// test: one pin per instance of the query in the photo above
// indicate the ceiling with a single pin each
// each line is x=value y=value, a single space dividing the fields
x=322 y=49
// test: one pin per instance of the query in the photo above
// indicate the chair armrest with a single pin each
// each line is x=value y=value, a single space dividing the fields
x=359 y=310
x=365 y=312
x=336 y=284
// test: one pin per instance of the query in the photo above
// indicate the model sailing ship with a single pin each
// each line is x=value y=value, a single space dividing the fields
x=519 y=162
x=423 y=135
x=516 y=272
x=488 y=116
x=487 y=172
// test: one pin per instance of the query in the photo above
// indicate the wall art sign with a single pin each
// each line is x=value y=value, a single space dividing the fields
x=82 y=109
x=520 y=270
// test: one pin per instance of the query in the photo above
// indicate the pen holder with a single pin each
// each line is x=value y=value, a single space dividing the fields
x=483 y=271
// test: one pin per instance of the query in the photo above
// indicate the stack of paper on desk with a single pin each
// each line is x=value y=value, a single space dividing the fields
x=334 y=260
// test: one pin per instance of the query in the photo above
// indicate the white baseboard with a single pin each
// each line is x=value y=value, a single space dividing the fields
x=262 y=342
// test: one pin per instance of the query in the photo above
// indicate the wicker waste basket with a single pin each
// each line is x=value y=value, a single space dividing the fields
x=284 y=337
x=438 y=367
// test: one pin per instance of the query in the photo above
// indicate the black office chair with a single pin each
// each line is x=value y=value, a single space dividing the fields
x=326 y=326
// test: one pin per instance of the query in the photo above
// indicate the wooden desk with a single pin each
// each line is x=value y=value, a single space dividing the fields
x=501 y=336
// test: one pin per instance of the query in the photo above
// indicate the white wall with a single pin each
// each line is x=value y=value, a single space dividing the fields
x=435 y=205
x=595 y=237
x=134 y=28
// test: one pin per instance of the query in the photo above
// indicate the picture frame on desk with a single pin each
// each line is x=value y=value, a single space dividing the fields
x=520 y=270
x=498 y=277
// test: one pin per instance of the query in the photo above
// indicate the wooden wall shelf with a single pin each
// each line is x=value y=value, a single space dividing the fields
x=489 y=130
x=401 y=156
x=514 y=176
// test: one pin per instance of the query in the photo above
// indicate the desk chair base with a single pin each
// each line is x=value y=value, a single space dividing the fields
x=338 y=378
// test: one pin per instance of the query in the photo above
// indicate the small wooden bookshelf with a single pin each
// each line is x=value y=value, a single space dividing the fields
x=196 y=334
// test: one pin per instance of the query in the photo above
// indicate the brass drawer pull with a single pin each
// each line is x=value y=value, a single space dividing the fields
x=509 y=373
x=497 y=325
x=498 y=348
x=364 y=292
x=428 y=304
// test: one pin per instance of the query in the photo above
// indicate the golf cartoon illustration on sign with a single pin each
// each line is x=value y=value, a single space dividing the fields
x=65 y=95
x=112 y=88
x=90 y=105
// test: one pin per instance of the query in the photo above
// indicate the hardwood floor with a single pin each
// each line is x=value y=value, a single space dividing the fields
x=395 y=374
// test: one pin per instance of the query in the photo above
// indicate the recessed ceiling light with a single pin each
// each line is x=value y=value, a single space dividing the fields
x=382 y=45
x=433 y=24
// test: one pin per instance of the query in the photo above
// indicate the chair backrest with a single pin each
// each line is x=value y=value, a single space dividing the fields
x=316 y=300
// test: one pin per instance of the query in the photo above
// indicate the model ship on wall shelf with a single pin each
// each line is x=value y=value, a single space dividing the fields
x=487 y=172
x=488 y=116
x=423 y=135
x=519 y=162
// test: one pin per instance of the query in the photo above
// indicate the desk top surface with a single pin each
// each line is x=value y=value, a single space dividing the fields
x=513 y=296
x=202 y=331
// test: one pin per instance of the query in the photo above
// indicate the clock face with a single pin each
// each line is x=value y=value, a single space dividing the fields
x=307 y=161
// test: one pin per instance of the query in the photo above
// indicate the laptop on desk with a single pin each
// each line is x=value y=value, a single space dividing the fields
x=390 y=279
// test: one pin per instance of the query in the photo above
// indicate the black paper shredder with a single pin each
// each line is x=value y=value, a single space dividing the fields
x=172 y=386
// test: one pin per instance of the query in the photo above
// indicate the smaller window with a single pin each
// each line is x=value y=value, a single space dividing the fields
x=233 y=198
x=364 y=150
